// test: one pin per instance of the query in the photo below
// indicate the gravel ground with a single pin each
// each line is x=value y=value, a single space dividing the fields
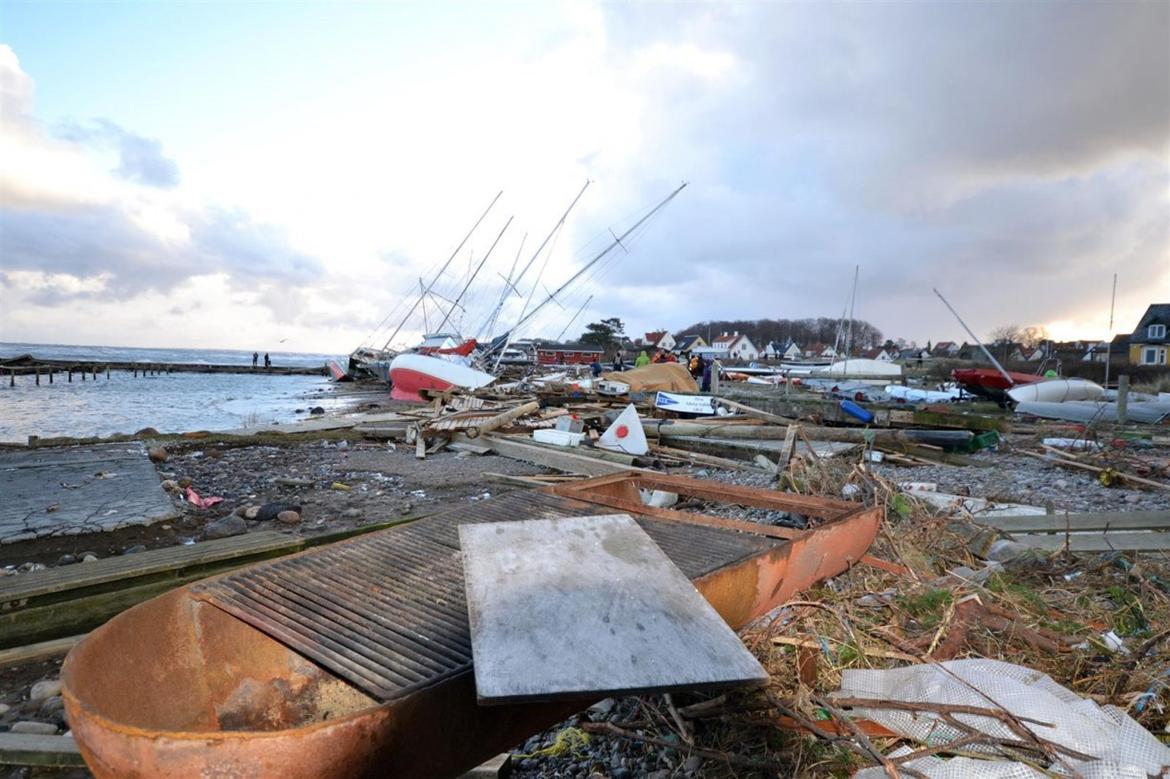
x=339 y=484
x=603 y=757
x=1015 y=478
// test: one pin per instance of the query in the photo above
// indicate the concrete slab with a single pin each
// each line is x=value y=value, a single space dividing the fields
x=84 y=489
x=586 y=607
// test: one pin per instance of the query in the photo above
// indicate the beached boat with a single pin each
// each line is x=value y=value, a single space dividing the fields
x=991 y=383
x=354 y=659
x=860 y=369
x=1057 y=391
x=412 y=373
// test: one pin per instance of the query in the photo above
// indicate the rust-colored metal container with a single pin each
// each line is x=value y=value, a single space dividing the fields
x=180 y=686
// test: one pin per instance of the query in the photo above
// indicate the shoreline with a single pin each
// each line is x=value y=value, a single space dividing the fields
x=122 y=411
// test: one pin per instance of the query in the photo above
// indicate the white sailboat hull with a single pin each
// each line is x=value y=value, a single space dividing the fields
x=1057 y=391
x=412 y=373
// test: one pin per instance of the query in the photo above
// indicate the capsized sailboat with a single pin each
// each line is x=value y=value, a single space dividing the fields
x=412 y=373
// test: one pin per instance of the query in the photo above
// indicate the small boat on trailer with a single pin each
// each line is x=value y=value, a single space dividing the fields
x=991 y=383
x=354 y=659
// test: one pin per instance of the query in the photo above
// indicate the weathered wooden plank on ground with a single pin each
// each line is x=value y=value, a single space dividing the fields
x=31 y=750
x=1099 y=542
x=565 y=460
x=38 y=651
x=1098 y=520
x=589 y=606
x=28 y=588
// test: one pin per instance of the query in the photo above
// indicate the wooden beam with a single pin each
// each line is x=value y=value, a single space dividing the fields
x=31 y=750
x=551 y=457
x=1099 y=542
x=62 y=582
x=1097 y=520
x=39 y=651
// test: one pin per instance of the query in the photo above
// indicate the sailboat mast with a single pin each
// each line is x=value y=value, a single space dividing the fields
x=442 y=270
x=849 y=332
x=574 y=319
x=509 y=286
x=979 y=343
x=467 y=286
x=1109 y=335
x=617 y=241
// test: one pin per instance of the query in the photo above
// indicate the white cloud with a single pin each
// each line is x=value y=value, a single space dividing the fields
x=1013 y=154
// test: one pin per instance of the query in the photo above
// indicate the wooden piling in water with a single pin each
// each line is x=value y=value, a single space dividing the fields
x=70 y=376
x=38 y=379
x=50 y=375
x=11 y=377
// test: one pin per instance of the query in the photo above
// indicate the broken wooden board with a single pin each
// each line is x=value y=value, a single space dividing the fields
x=66 y=600
x=551 y=457
x=747 y=449
x=1150 y=541
x=1099 y=531
x=36 y=750
x=1088 y=521
x=585 y=607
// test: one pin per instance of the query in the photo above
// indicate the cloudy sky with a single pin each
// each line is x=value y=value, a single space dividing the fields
x=245 y=174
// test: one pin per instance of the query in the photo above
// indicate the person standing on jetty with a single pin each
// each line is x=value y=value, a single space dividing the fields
x=267 y=362
x=255 y=359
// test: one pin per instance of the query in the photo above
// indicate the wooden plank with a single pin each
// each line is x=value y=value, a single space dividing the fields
x=1100 y=520
x=38 y=651
x=51 y=751
x=583 y=607
x=703 y=459
x=1070 y=463
x=518 y=481
x=23 y=587
x=500 y=765
x=553 y=458
x=1099 y=542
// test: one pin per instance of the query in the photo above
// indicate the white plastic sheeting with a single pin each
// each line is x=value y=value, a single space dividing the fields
x=1123 y=748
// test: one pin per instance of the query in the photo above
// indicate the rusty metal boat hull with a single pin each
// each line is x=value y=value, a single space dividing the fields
x=179 y=687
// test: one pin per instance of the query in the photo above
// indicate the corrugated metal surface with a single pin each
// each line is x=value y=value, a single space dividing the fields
x=387 y=612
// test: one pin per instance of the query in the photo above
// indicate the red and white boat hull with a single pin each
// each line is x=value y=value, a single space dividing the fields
x=411 y=373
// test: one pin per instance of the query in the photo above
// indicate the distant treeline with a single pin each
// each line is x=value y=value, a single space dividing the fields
x=804 y=332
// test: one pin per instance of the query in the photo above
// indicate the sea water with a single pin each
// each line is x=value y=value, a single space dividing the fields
x=177 y=402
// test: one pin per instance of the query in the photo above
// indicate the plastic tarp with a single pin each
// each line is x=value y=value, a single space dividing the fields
x=1121 y=746
x=664 y=376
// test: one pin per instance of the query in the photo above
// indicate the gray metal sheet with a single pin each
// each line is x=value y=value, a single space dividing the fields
x=587 y=607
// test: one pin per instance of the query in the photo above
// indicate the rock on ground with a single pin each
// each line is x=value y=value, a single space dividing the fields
x=224 y=528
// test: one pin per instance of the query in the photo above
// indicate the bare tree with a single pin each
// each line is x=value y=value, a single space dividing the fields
x=1005 y=334
x=1033 y=336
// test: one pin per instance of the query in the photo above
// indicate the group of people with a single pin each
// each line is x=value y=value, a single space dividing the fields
x=256 y=359
x=699 y=367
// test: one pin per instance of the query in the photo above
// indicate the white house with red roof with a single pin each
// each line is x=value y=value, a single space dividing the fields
x=735 y=347
x=659 y=339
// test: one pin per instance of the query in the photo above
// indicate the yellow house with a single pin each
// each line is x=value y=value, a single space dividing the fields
x=1150 y=341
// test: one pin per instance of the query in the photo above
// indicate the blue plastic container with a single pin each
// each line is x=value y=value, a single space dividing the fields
x=856 y=411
